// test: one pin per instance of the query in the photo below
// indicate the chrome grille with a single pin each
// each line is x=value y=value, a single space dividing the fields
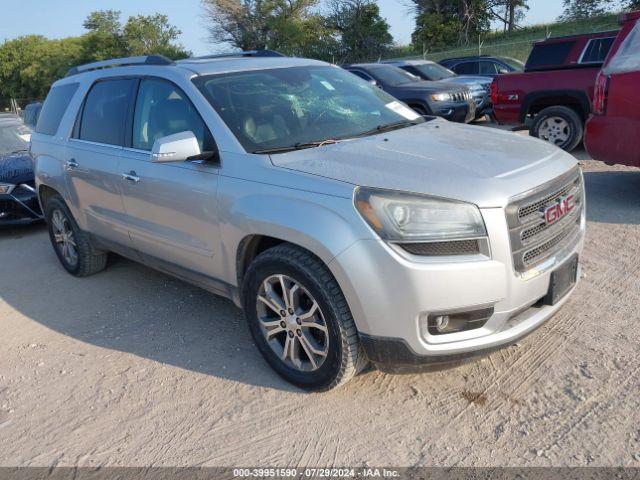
x=533 y=240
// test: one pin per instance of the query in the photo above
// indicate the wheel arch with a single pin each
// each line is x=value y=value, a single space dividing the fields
x=575 y=99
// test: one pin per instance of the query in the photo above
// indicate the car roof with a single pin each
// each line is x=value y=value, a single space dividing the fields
x=189 y=67
x=409 y=62
x=366 y=65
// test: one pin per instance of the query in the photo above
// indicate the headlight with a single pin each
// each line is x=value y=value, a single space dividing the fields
x=441 y=97
x=6 y=188
x=397 y=216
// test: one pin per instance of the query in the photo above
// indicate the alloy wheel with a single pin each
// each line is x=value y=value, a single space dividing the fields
x=292 y=323
x=64 y=238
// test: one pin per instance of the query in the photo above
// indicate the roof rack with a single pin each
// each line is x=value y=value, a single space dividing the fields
x=245 y=53
x=121 y=62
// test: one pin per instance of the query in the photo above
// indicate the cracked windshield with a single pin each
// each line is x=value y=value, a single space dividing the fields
x=289 y=108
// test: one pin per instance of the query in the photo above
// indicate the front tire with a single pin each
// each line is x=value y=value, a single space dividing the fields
x=72 y=246
x=561 y=126
x=300 y=320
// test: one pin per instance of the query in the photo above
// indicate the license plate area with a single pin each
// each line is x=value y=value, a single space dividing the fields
x=562 y=281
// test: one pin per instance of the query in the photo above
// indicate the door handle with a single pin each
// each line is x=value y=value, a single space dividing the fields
x=71 y=164
x=132 y=176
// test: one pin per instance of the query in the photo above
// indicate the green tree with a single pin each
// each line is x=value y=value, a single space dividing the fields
x=28 y=65
x=259 y=24
x=363 y=33
x=580 y=9
x=107 y=37
x=449 y=22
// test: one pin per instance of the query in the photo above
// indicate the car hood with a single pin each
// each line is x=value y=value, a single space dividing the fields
x=16 y=168
x=480 y=165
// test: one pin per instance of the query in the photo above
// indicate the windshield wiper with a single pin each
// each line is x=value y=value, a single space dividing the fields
x=19 y=151
x=387 y=128
x=297 y=146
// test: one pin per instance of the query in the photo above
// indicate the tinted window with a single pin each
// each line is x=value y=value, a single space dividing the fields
x=105 y=112
x=597 y=50
x=488 y=68
x=361 y=75
x=466 y=68
x=550 y=54
x=162 y=109
x=393 y=76
x=54 y=107
x=430 y=71
x=627 y=59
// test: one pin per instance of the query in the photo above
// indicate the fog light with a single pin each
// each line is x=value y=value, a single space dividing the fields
x=457 y=321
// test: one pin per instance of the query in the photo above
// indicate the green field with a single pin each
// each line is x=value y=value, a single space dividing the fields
x=518 y=43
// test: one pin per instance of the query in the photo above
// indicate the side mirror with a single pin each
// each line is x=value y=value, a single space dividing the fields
x=175 y=148
x=373 y=82
x=502 y=70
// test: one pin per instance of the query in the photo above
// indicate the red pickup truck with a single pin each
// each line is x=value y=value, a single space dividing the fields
x=613 y=130
x=553 y=96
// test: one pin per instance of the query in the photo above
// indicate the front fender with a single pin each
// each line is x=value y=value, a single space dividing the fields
x=323 y=224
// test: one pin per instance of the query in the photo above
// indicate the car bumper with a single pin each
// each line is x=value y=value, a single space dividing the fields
x=402 y=291
x=613 y=140
x=456 y=112
x=20 y=207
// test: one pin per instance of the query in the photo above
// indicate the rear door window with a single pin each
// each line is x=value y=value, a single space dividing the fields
x=104 y=114
x=54 y=107
x=488 y=68
x=597 y=50
x=466 y=68
x=549 y=55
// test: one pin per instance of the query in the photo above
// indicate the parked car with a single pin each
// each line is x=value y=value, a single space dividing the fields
x=18 y=199
x=349 y=228
x=483 y=65
x=31 y=113
x=479 y=87
x=613 y=130
x=553 y=96
x=449 y=101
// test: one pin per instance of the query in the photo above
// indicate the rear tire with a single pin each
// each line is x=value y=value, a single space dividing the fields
x=330 y=330
x=559 y=125
x=72 y=245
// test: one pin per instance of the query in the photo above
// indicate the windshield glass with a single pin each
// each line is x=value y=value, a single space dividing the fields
x=391 y=75
x=278 y=108
x=13 y=137
x=434 y=71
x=513 y=63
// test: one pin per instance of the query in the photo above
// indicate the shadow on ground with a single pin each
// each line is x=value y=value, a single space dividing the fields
x=613 y=196
x=130 y=308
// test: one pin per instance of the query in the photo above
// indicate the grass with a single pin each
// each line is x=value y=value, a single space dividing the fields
x=516 y=44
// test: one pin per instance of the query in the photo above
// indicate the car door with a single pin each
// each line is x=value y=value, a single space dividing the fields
x=92 y=159
x=171 y=208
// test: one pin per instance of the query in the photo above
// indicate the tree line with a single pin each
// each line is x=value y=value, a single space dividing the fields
x=339 y=31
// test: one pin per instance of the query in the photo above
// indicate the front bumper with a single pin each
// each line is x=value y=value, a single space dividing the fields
x=461 y=112
x=392 y=294
x=20 y=207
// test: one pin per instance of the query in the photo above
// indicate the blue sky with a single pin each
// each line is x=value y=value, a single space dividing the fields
x=61 y=18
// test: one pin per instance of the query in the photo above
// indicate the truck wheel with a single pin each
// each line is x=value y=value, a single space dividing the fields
x=71 y=244
x=300 y=320
x=559 y=125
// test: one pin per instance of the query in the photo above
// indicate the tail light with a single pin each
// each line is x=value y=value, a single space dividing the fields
x=494 y=92
x=601 y=94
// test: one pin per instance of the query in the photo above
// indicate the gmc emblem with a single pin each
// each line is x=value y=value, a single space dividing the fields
x=558 y=210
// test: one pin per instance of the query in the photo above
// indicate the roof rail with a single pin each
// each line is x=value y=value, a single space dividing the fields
x=245 y=53
x=121 y=62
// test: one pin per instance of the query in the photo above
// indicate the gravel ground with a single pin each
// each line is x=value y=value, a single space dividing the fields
x=131 y=367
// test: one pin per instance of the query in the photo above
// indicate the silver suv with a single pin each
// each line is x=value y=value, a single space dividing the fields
x=348 y=228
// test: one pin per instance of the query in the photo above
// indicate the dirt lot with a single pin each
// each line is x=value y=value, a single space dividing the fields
x=131 y=367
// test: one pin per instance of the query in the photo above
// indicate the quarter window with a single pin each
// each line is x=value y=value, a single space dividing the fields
x=105 y=112
x=54 y=107
x=162 y=109
x=597 y=50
